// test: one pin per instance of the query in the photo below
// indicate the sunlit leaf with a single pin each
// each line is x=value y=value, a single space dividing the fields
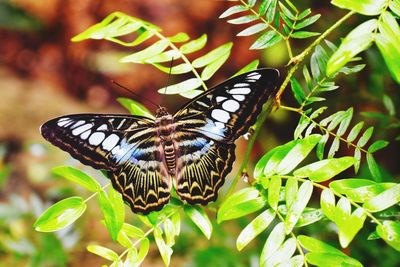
x=253 y=29
x=194 y=45
x=243 y=19
x=239 y=204
x=165 y=250
x=180 y=37
x=60 y=215
x=212 y=55
x=135 y=108
x=303 y=34
x=325 y=169
x=374 y=168
x=285 y=251
x=77 y=176
x=268 y=39
x=211 y=68
x=306 y=22
x=365 y=7
x=274 y=241
x=249 y=67
x=132 y=231
x=103 y=252
x=110 y=218
x=356 y=41
x=328 y=203
x=148 y=52
x=200 y=219
x=181 y=87
x=331 y=260
x=274 y=190
x=390 y=232
x=254 y=228
x=384 y=200
x=233 y=10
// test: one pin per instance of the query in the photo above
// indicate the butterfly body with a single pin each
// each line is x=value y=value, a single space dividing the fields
x=192 y=149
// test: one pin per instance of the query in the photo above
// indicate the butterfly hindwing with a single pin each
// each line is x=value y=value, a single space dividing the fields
x=126 y=146
x=202 y=165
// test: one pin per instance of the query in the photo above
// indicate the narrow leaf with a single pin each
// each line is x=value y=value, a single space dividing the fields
x=274 y=190
x=274 y=241
x=151 y=51
x=249 y=67
x=377 y=145
x=254 y=228
x=268 y=39
x=200 y=219
x=306 y=22
x=374 y=168
x=212 y=55
x=103 y=252
x=384 y=200
x=135 y=108
x=164 y=250
x=365 y=7
x=325 y=169
x=253 y=29
x=303 y=34
x=390 y=232
x=233 y=10
x=194 y=45
x=211 y=68
x=110 y=218
x=181 y=87
x=243 y=19
x=365 y=137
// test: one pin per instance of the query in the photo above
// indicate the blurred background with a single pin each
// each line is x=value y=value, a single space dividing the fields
x=43 y=75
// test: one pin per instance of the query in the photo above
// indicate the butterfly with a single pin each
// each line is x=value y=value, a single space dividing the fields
x=194 y=149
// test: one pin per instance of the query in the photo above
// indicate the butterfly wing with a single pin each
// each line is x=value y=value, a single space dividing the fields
x=208 y=126
x=126 y=146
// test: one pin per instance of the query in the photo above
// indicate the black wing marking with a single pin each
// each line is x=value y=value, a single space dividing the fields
x=230 y=108
x=127 y=146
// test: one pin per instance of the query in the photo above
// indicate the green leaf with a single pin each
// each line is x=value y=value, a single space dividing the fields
x=374 y=168
x=296 y=261
x=118 y=206
x=365 y=137
x=389 y=105
x=365 y=7
x=200 y=219
x=268 y=39
x=149 y=52
x=314 y=245
x=213 y=55
x=132 y=231
x=165 y=250
x=211 y=68
x=180 y=37
x=324 y=170
x=387 y=41
x=274 y=190
x=288 y=156
x=191 y=94
x=286 y=11
x=328 y=203
x=77 y=176
x=251 y=2
x=165 y=56
x=306 y=22
x=178 y=69
x=303 y=34
x=233 y=10
x=243 y=19
x=297 y=90
x=239 y=204
x=253 y=29
x=291 y=191
x=331 y=260
x=351 y=226
x=296 y=209
x=194 y=45
x=110 y=218
x=170 y=233
x=395 y=7
x=254 y=228
x=377 y=145
x=182 y=87
x=390 y=232
x=135 y=108
x=274 y=241
x=355 y=42
x=60 y=215
x=249 y=67
x=355 y=131
x=124 y=240
x=384 y=200
x=309 y=216
x=285 y=251
x=143 y=250
x=103 y=252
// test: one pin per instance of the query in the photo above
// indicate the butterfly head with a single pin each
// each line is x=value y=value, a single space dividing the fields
x=161 y=112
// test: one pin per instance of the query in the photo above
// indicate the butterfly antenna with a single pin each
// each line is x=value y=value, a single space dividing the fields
x=133 y=93
x=169 y=75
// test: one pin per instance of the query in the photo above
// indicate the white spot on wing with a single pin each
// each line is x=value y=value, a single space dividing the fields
x=219 y=125
x=240 y=91
x=253 y=74
x=110 y=142
x=96 y=138
x=239 y=97
x=78 y=123
x=63 y=121
x=220 y=98
x=255 y=77
x=241 y=85
x=102 y=127
x=230 y=105
x=85 y=135
x=81 y=129
x=220 y=115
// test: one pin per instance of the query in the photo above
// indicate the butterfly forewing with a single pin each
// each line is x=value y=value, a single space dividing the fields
x=209 y=125
x=126 y=146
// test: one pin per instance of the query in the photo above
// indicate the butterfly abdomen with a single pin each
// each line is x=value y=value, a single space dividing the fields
x=166 y=129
